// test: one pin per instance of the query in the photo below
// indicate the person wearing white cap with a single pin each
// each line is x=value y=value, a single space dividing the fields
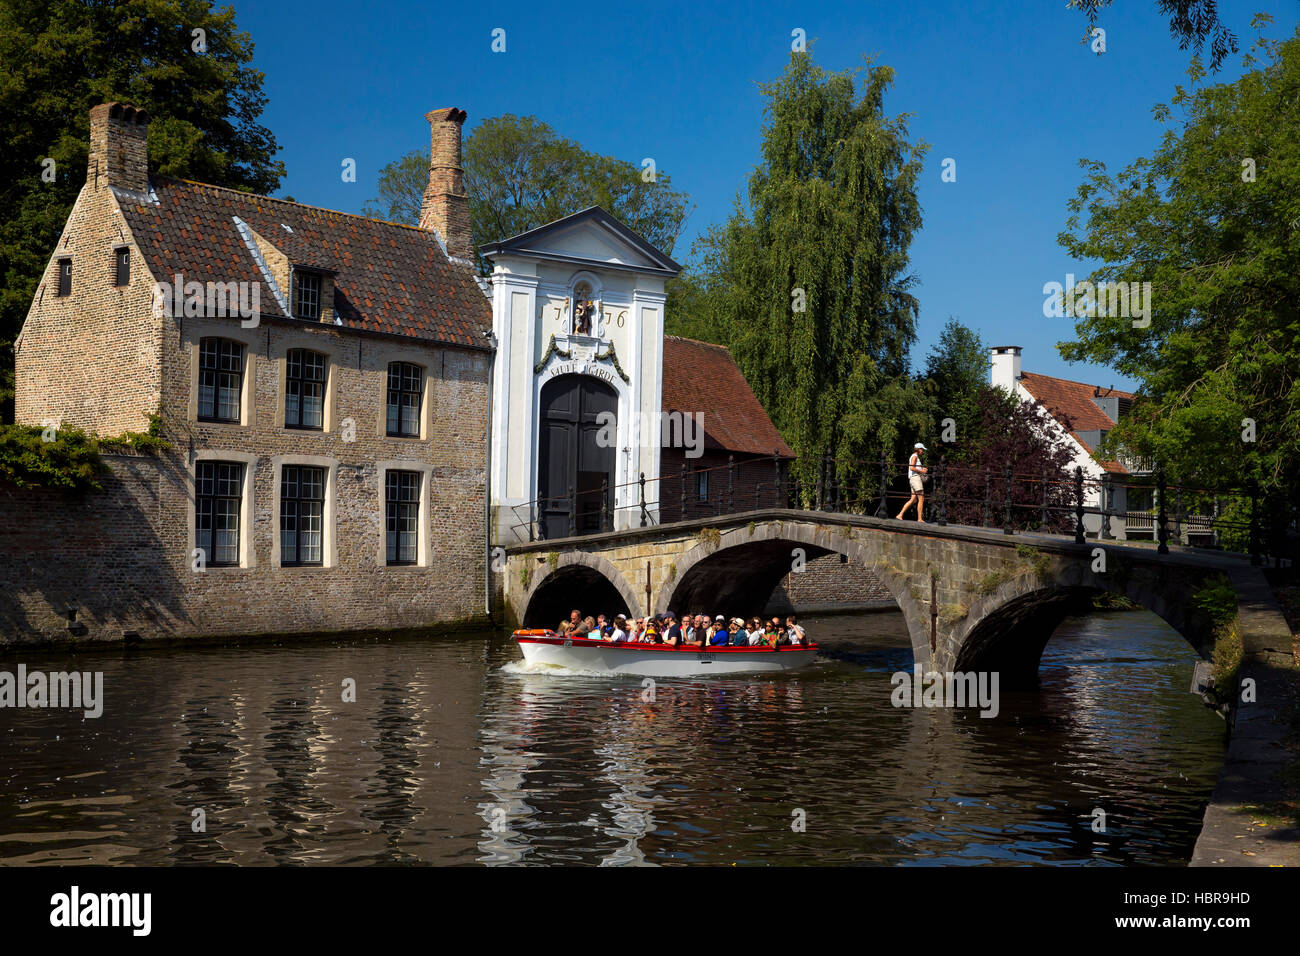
x=916 y=474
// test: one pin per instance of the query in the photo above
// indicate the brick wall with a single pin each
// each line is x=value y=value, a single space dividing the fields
x=122 y=558
x=754 y=479
x=826 y=583
x=91 y=359
x=98 y=553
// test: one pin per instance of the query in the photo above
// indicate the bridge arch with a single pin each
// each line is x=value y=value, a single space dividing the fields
x=576 y=579
x=1009 y=629
x=755 y=558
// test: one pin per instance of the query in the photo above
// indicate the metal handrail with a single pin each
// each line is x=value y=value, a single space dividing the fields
x=1018 y=501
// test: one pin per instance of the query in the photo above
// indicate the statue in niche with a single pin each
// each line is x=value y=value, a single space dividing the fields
x=584 y=310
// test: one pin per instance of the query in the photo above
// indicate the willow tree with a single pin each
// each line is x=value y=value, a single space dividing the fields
x=808 y=281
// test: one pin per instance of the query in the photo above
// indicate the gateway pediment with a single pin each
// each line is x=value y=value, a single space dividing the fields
x=592 y=237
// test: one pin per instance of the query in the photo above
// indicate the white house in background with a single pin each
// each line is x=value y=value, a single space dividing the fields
x=1080 y=415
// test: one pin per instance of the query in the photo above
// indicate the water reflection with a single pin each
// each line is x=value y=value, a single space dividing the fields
x=449 y=756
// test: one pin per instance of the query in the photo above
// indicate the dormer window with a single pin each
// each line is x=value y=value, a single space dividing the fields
x=306 y=295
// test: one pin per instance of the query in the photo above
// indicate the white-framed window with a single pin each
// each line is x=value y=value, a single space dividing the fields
x=402 y=517
x=405 y=397
x=304 y=389
x=218 y=510
x=221 y=379
x=302 y=515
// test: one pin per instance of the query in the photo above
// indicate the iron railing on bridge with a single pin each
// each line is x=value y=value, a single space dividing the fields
x=1234 y=519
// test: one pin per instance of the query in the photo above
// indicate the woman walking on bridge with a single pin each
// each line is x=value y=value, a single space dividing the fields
x=916 y=474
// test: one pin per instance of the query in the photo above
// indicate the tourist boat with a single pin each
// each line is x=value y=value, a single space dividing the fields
x=658 y=660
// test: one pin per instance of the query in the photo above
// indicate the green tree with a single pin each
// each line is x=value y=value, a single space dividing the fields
x=1212 y=221
x=808 y=281
x=58 y=58
x=521 y=174
x=957 y=369
x=1191 y=23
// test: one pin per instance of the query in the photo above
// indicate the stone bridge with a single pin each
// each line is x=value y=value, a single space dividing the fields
x=973 y=598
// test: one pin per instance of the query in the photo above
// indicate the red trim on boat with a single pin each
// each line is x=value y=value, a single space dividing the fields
x=550 y=637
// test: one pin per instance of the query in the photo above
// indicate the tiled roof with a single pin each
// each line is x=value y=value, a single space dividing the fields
x=699 y=377
x=388 y=277
x=1071 y=404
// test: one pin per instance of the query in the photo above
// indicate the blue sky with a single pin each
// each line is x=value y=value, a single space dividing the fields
x=1008 y=90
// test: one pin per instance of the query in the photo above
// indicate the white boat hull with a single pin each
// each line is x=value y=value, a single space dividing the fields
x=651 y=660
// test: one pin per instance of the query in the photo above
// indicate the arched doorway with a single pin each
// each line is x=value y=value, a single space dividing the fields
x=572 y=464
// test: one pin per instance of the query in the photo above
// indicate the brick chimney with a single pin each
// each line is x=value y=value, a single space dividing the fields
x=119 y=150
x=446 y=204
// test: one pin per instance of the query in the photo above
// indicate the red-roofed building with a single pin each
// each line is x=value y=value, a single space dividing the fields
x=1079 y=415
x=742 y=460
x=322 y=379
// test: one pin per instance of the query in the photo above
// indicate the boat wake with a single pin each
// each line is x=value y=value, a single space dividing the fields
x=533 y=668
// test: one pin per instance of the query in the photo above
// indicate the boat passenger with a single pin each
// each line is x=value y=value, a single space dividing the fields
x=781 y=637
x=618 y=630
x=693 y=635
x=672 y=635
x=651 y=633
x=755 y=633
x=719 y=635
x=738 y=636
x=575 y=618
x=672 y=632
x=795 y=632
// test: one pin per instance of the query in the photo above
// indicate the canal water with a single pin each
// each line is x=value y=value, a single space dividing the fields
x=455 y=753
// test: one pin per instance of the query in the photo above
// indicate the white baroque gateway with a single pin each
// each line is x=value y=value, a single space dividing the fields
x=658 y=660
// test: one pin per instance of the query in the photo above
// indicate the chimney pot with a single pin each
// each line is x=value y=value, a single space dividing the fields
x=446 y=204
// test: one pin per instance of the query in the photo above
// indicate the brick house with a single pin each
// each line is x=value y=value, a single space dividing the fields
x=743 y=460
x=323 y=380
